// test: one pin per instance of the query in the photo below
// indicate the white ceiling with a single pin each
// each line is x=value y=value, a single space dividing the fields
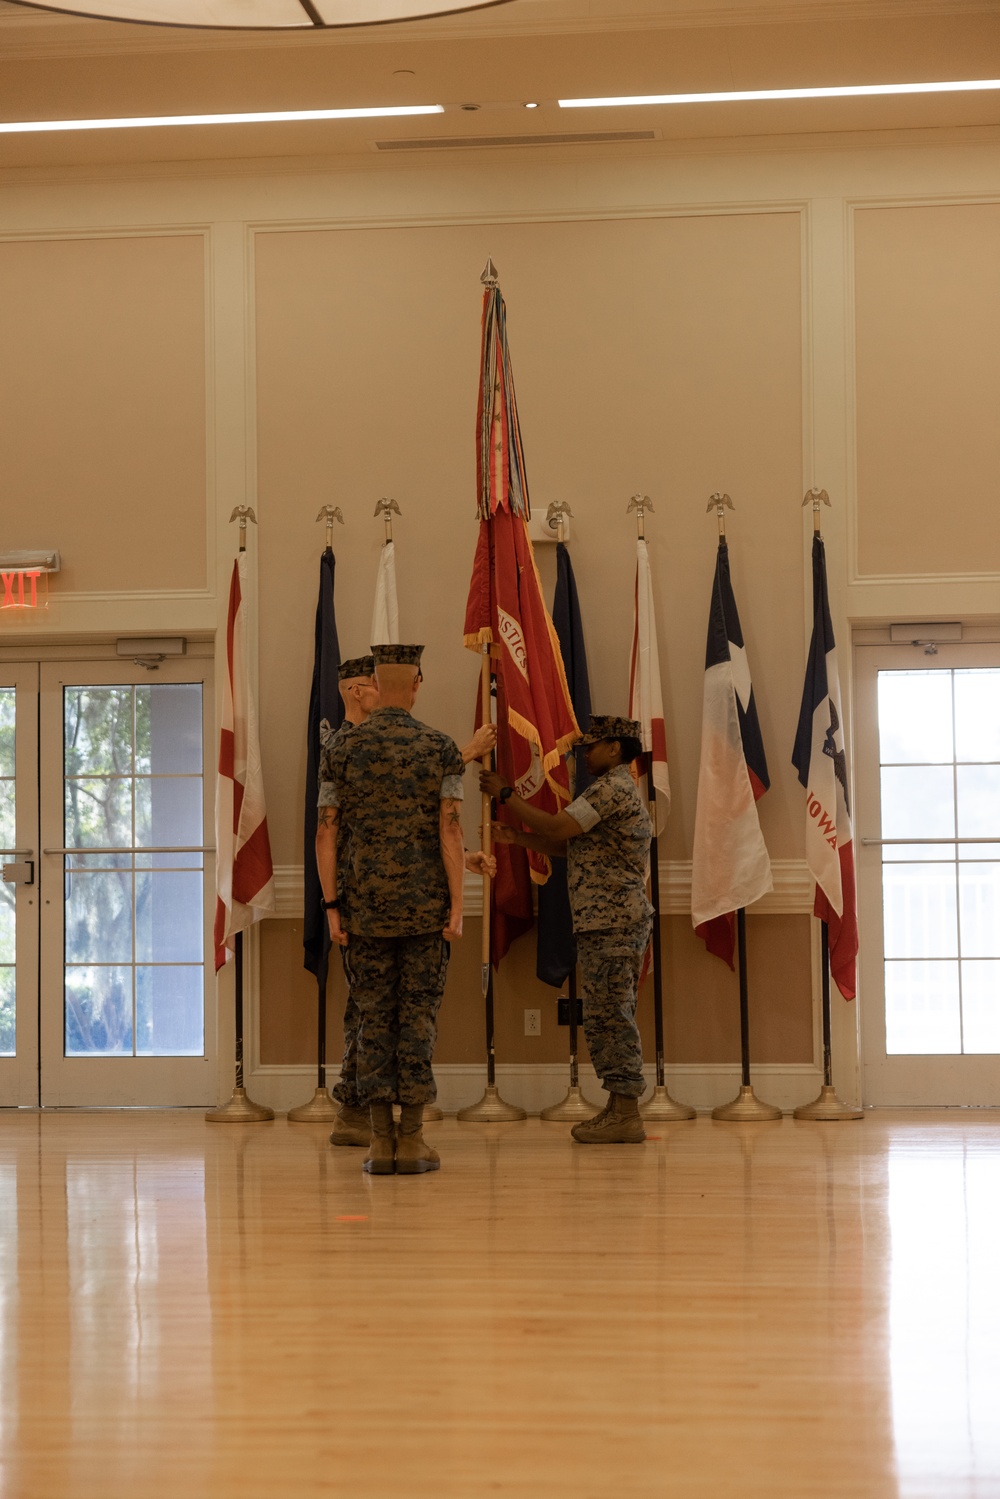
x=57 y=67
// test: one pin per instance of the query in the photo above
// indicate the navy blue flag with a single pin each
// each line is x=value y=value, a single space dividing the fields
x=556 y=956
x=326 y=714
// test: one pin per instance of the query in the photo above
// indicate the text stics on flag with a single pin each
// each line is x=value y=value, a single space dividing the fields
x=385 y=617
x=731 y=868
x=244 y=872
x=645 y=693
x=820 y=757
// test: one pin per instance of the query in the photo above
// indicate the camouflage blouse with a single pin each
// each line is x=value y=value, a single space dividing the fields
x=606 y=864
x=389 y=778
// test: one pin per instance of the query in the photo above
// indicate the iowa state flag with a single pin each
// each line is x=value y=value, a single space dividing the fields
x=731 y=866
x=505 y=607
x=820 y=758
x=244 y=875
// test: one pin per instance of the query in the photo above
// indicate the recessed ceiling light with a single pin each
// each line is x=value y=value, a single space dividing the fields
x=273 y=116
x=530 y=106
x=956 y=86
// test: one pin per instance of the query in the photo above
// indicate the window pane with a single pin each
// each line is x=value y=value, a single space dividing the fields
x=977 y=715
x=168 y=812
x=981 y=1006
x=918 y=801
x=168 y=729
x=973 y=851
x=7 y=834
x=169 y=918
x=7 y=899
x=170 y=1009
x=7 y=1012
x=98 y=814
x=919 y=910
x=99 y=918
x=98 y=1011
x=978 y=800
x=98 y=730
x=914 y=717
x=6 y=731
x=979 y=896
x=907 y=853
x=922 y=1009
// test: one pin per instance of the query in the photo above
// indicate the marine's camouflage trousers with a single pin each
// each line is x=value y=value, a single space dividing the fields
x=346 y=1091
x=610 y=964
x=396 y=984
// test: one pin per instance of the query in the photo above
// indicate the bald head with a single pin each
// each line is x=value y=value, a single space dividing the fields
x=397 y=685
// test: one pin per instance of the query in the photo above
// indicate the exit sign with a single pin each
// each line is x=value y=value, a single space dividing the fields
x=20 y=588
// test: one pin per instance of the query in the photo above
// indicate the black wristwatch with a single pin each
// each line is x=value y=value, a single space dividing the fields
x=331 y=905
x=506 y=792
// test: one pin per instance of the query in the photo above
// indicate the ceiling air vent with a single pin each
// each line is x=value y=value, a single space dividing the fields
x=479 y=142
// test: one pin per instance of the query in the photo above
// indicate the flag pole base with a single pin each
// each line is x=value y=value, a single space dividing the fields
x=573 y=1107
x=432 y=1113
x=746 y=1108
x=827 y=1108
x=240 y=1110
x=491 y=1109
x=321 y=1109
x=662 y=1109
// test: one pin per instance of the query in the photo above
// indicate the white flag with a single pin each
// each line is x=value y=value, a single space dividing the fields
x=385 y=619
x=244 y=874
x=645 y=696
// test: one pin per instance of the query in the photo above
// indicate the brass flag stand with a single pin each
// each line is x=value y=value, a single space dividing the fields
x=661 y=1108
x=491 y=1108
x=240 y=1109
x=746 y=1107
x=321 y=1108
x=827 y=1108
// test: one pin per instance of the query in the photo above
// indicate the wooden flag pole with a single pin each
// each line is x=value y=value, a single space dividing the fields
x=491 y=1108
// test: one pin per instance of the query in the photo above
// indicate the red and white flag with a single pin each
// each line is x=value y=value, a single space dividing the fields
x=244 y=876
x=820 y=757
x=645 y=696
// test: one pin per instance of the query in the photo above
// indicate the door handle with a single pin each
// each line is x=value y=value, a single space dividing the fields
x=21 y=873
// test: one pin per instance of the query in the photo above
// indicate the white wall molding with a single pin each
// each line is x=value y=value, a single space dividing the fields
x=536 y=1085
x=792 y=894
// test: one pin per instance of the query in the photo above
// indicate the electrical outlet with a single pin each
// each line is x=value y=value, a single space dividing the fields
x=532 y=1022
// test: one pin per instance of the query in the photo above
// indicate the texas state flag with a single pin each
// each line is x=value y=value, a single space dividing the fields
x=731 y=868
x=820 y=758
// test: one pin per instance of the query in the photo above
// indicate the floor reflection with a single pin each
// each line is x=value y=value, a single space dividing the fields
x=944 y=1318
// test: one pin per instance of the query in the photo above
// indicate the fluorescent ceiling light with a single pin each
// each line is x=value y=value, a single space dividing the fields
x=265 y=116
x=959 y=86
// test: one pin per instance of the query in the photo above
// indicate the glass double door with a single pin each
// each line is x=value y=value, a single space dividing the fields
x=928 y=775
x=105 y=905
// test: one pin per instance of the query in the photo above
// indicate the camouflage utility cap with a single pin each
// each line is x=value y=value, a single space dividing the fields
x=397 y=655
x=608 y=726
x=358 y=666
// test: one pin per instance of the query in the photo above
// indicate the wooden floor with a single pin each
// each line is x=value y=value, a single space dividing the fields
x=785 y=1310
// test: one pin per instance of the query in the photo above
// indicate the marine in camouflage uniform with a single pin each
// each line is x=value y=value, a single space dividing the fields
x=357 y=688
x=396 y=786
x=605 y=836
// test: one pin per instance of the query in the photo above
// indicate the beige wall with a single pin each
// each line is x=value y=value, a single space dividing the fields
x=928 y=377
x=103 y=409
x=679 y=323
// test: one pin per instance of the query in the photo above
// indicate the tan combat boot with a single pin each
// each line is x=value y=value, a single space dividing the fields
x=381 y=1157
x=621 y=1125
x=413 y=1154
x=352 y=1126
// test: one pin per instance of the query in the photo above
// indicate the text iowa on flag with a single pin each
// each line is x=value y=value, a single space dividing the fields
x=731 y=868
x=505 y=607
x=820 y=758
x=244 y=872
